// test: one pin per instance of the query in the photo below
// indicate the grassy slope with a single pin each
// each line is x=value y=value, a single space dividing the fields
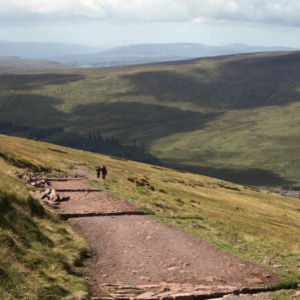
x=242 y=221
x=38 y=254
x=217 y=116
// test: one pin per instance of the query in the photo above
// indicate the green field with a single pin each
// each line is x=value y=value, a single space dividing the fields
x=232 y=117
x=38 y=253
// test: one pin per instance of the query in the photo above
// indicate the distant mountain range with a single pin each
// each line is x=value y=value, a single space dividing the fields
x=85 y=56
x=147 y=53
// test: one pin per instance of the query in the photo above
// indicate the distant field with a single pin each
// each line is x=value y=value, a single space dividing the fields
x=232 y=117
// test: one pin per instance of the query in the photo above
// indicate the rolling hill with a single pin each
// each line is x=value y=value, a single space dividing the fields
x=147 y=53
x=15 y=64
x=231 y=117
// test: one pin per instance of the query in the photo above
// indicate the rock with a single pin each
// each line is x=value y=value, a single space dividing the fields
x=165 y=296
x=80 y=295
x=254 y=280
x=147 y=286
x=64 y=198
x=146 y=295
x=48 y=191
x=183 y=296
x=175 y=287
x=53 y=196
x=44 y=195
x=244 y=290
x=123 y=296
x=187 y=287
x=50 y=203
x=256 y=289
x=202 y=294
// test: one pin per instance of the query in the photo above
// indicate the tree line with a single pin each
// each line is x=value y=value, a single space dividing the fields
x=94 y=142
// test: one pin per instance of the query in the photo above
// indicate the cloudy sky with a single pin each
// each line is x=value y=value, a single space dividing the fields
x=108 y=23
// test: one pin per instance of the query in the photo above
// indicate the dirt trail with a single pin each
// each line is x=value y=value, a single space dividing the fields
x=134 y=254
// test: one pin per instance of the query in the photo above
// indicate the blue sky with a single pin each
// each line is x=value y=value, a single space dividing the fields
x=108 y=23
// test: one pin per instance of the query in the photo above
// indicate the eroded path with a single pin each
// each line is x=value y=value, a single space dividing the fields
x=137 y=256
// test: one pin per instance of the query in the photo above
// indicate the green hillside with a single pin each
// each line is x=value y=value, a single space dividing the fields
x=232 y=117
x=39 y=254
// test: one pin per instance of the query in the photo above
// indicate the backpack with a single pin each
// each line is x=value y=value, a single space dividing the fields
x=103 y=170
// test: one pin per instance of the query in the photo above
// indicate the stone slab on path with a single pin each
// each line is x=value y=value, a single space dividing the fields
x=91 y=202
x=85 y=200
x=138 y=250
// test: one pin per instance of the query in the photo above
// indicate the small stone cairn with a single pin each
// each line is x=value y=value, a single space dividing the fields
x=40 y=186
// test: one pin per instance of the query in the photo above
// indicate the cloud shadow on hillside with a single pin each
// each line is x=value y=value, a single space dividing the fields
x=155 y=121
x=35 y=81
x=250 y=176
x=234 y=84
x=34 y=110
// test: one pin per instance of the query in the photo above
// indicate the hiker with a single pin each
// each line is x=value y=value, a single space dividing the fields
x=98 y=169
x=104 y=172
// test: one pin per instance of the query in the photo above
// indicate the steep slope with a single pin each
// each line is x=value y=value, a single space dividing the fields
x=233 y=117
x=243 y=221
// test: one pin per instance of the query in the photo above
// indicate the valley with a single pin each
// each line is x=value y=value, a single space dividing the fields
x=231 y=117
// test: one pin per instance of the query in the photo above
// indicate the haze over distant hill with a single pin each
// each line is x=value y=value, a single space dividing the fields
x=15 y=64
x=35 y=50
x=147 y=53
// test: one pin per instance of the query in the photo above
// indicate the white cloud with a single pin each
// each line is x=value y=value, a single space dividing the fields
x=280 y=12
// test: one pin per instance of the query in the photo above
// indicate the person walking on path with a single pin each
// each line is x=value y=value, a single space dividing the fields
x=104 y=172
x=98 y=169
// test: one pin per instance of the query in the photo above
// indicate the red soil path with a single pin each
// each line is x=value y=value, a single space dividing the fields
x=138 y=250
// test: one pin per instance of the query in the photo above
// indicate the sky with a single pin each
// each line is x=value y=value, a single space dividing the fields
x=110 y=23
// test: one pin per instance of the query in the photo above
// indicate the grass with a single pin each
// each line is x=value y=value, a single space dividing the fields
x=249 y=224
x=233 y=117
x=38 y=252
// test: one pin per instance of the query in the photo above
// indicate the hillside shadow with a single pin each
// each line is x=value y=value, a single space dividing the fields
x=250 y=176
x=153 y=120
x=34 y=110
x=36 y=81
x=234 y=84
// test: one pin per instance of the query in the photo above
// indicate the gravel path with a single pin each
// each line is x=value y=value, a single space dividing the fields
x=138 y=250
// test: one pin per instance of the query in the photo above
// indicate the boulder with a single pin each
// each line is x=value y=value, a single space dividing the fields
x=64 y=198
x=54 y=196
x=51 y=203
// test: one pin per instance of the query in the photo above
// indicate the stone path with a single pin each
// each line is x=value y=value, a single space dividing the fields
x=85 y=200
x=137 y=257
